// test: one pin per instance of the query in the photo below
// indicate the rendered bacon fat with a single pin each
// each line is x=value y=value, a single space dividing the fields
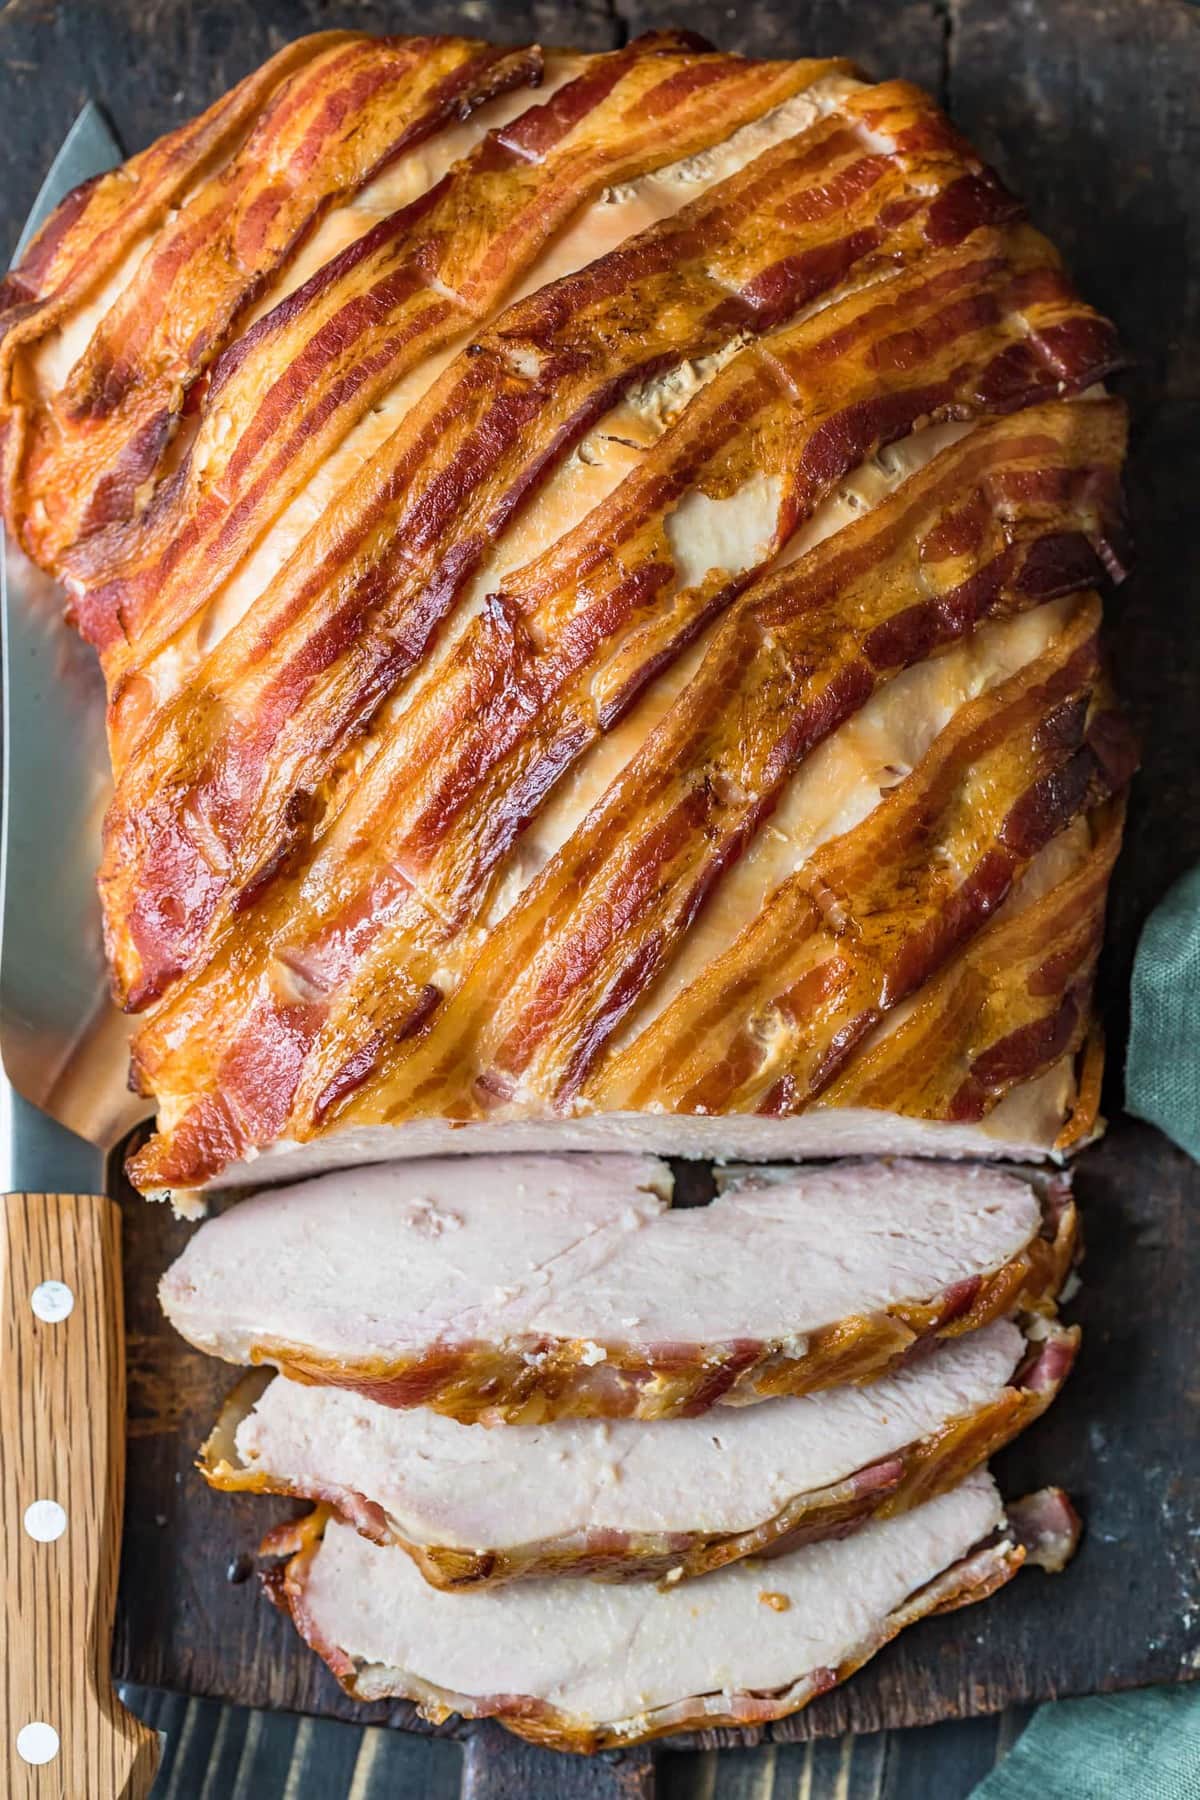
x=533 y=1288
x=624 y=1500
x=581 y=1667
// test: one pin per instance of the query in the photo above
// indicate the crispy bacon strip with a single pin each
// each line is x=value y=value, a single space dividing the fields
x=329 y=130
x=423 y=277
x=620 y=557
x=215 y=780
x=1007 y=1010
x=484 y=761
x=91 y=232
x=874 y=913
x=642 y=890
x=793 y=663
x=1031 y=493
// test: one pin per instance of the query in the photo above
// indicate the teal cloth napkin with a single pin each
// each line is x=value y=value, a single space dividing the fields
x=1162 y=1070
x=1143 y=1745
x=1139 y=1746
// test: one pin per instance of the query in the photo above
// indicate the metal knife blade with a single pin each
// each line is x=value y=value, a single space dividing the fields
x=62 y=1334
x=62 y=1042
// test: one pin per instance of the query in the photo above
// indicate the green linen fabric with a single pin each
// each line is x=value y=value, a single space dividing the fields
x=1162 y=1068
x=1143 y=1745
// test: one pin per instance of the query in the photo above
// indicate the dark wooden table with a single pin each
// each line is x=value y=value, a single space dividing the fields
x=1088 y=108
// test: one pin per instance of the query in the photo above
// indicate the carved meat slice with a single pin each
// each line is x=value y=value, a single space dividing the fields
x=622 y=1500
x=531 y=1288
x=580 y=1666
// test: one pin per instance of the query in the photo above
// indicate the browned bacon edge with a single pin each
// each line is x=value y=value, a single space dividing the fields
x=1042 y=1529
x=1015 y=1003
x=914 y=1474
x=872 y=915
x=88 y=234
x=327 y=132
x=527 y=1380
x=1084 y=1122
x=422 y=277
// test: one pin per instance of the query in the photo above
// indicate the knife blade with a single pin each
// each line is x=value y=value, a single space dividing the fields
x=62 y=1351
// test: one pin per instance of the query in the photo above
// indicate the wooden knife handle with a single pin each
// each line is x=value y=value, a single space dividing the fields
x=62 y=1454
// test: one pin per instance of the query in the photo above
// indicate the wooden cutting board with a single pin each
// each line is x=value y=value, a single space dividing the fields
x=1086 y=108
x=1122 y=1439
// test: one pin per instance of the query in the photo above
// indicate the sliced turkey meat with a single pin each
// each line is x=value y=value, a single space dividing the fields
x=622 y=1500
x=531 y=1288
x=580 y=1665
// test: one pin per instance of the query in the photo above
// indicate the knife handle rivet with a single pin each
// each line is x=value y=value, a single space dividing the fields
x=45 y=1521
x=52 y=1301
x=37 y=1743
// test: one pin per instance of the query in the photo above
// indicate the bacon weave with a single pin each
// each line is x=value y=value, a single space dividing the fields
x=873 y=914
x=476 y=641
x=660 y=820
x=294 y=682
x=425 y=276
x=326 y=133
x=88 y=236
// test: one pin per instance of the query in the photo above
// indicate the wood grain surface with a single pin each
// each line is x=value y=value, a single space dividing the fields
x=62 y=1443
x=1087 y=107
x=216 y=1752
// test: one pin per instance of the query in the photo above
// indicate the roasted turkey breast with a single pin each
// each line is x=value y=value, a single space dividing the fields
x=595 y=562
